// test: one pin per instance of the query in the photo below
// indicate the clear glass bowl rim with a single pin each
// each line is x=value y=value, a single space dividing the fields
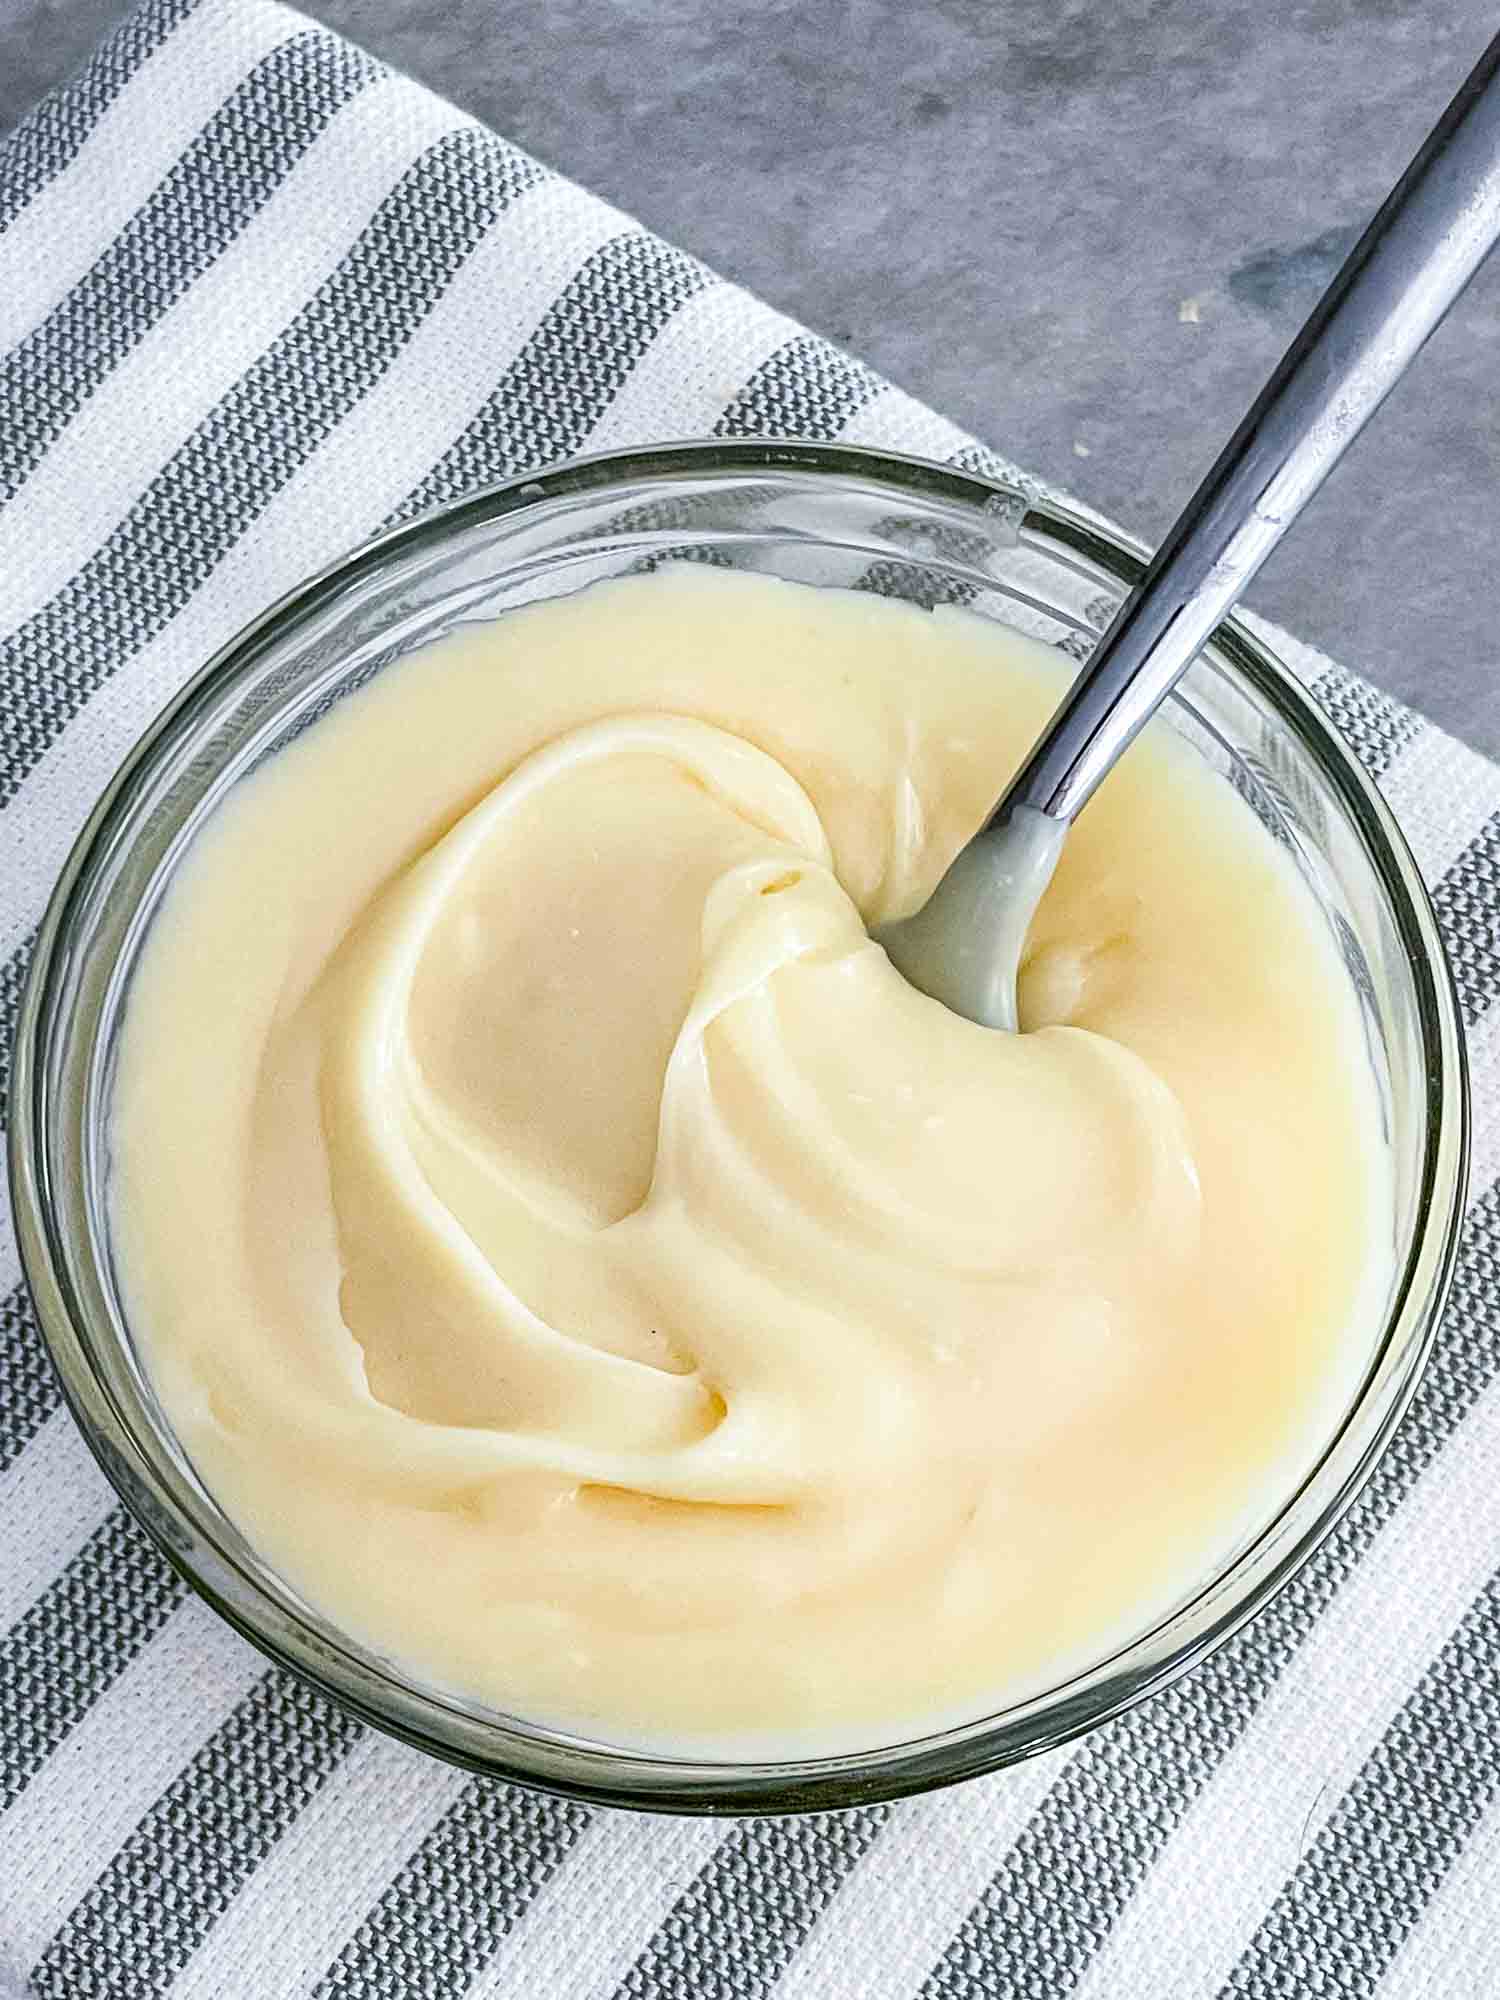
x=139 y=1461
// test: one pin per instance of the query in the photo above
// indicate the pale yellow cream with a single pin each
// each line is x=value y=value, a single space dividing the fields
x=596 y=1280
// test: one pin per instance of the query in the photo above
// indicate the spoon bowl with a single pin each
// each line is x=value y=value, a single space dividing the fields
x=964 y=945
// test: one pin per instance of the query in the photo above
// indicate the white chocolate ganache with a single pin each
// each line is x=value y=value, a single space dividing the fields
x=596 y=1281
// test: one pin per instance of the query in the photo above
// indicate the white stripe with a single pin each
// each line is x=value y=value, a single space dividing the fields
x=87 y=1800
x=1484 y=1080
x=128 y=429
x=602 y=1909
x=293 y=1916
x=52 y=1498
x=1305 y=661
x=356 y=478
x=72 y=221
x=1454 y=1952
x=1441 y=793
x=695 y=365
x=10 y=1256
x=1241 y=1837
x=894 y=421
x=892 y=1920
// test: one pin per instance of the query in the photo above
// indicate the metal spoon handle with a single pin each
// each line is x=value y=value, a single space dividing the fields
x=1398 y=281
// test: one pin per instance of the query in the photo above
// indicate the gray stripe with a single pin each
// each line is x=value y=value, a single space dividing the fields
x=1360 y=1889
x=1250 y=778
x=12 y=985
x=1053 y=1902
x=1376 y=726
x=702 y=553
x=1466 y=901
x=1049 y=1908
x=49 y=137
x=987 y=464
x=228 y=172
x=219 y=482
x=194 y=1851
x=475 y=1875
x=916 y=582
x=806 y=389
x=735 y=1929
x=75 y=1642
x=28 y=1385
x=570 y=370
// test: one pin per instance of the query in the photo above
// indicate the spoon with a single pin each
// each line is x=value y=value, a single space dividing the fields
x=964 y=945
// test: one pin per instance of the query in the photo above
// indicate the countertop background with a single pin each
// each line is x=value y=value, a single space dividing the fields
x=1083 y=230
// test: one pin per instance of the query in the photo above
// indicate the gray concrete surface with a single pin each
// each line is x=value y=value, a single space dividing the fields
x=1083 y=228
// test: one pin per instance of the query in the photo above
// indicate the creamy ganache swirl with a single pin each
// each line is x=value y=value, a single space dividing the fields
x=589 y=1272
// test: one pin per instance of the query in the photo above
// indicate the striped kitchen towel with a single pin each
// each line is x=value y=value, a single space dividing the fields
x=259 y=297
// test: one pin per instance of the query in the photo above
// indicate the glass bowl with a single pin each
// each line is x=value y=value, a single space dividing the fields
x=822 y=515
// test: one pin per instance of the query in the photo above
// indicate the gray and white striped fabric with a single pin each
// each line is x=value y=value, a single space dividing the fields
x=258 y=297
